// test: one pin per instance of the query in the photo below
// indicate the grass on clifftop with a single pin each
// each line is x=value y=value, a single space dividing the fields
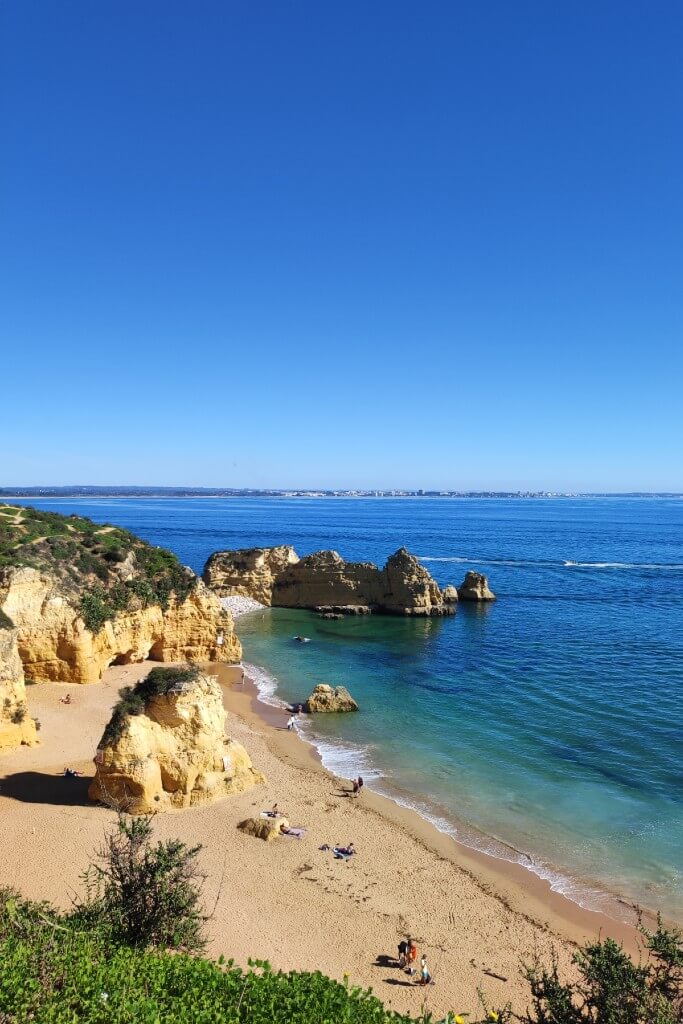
x=104 y=569
x=132 y=699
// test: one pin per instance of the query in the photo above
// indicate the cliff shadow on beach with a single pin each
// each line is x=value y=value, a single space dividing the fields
x=40 y=788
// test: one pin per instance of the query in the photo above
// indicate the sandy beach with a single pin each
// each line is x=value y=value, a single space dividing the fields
x=290 y=902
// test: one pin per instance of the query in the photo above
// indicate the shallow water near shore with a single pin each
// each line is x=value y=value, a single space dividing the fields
x=550 y=721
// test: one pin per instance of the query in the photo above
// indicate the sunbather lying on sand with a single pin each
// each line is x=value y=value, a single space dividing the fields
x=344 y=851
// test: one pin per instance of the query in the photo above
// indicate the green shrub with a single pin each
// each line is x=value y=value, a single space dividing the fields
x=19 y=714
x=612 y=988
x=85 y=557
x=132 y=699
x=144 y=894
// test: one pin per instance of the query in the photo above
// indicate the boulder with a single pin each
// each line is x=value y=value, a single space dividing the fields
x=16 y=725
x=330 y=698
x=475 y=587
x=165 y=746
x=450 y=594
x=263 y=828
x=248 y=572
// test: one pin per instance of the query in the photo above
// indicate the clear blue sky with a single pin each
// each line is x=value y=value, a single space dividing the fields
x=342 y=244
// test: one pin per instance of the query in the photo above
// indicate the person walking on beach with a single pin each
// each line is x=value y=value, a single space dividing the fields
x=425 y=976
x=290 y=722
x=403 y=947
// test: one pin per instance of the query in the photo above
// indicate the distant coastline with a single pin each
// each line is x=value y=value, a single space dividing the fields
x=112 y=491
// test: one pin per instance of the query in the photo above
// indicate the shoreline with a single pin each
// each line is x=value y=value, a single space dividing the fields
x=290 y=902
x=519 y=888
x=618 y=909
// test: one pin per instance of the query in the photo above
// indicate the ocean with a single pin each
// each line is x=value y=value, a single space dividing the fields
x=546 y=728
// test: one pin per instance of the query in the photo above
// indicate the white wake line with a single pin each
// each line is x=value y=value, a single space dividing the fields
x=664 y=566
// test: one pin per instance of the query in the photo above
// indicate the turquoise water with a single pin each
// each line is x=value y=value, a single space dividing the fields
x=547 y=727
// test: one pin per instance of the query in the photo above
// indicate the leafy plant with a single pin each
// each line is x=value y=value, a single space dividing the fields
x=144 y=894
x=132 y=699
x=612 y=988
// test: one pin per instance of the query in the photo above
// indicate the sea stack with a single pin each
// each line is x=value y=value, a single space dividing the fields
x=326 y=583
x=165 y=746
x=475 y=587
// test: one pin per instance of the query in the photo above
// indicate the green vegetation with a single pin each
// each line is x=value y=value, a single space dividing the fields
x=88 y=559
x=144 y=894
x=132 y=699
x=612 y=988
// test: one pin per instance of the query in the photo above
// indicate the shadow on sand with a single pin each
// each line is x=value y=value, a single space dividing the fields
x=37 y=788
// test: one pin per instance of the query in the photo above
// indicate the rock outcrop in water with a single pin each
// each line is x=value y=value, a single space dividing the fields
x=248 y=572
x=330 y=698
x=165 y=746
x=16 y=725
x=325 y=582
x=475 y=587
x=83 y=597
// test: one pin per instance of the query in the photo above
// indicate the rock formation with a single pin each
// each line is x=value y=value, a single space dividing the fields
x=330 y=698
x=263 y=828
x=165 y=746
x=325 y=582
x=248 y=572
x=16 y=725
x=475 y=587
x=83 y=597
x=450 y=594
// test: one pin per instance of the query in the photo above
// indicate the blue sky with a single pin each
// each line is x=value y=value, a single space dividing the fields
x=361 y=244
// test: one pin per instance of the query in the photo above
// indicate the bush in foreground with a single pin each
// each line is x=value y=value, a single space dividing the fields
x=612 y=988
x=144 y=894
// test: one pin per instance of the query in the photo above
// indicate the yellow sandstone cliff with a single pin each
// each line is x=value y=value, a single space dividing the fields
x=165 y=747
x=55 y=644
x=16 y=725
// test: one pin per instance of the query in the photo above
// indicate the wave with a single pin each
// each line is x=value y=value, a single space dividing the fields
x=348 y=760
x=266 y=684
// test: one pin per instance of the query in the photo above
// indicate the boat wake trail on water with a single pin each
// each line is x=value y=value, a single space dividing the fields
x=568 y=564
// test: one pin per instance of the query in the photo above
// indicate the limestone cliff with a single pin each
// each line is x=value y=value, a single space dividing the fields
x=326 y=582
x=83 y=597
x=248 y=572
x=165 y=746
x=16 y=725
x=475 y=587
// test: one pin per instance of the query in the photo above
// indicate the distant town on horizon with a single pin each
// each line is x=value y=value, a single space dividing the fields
x=112 y=491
